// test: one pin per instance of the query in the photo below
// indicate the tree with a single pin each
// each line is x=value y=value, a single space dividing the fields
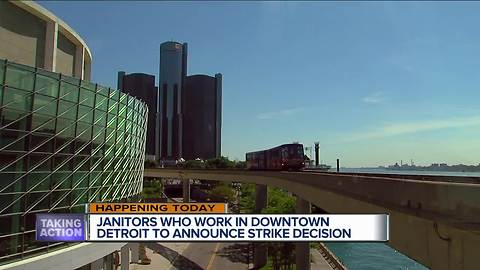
x=279 y=202
x=150 y=164
x=219 y=163
x=224 y=190
x=194 y=164
x=247 y=198
x=152 y=189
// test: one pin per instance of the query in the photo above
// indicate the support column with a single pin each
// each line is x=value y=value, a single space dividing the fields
x=186 y=190
x=135 y=254
x=260 y=254
x=302 y=249
x=125 y=257
x=97 y=265
x=79 y=61
x=50 y=54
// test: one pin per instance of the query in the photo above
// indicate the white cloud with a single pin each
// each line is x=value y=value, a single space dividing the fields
x=279 y=114
x=376 y=98
x=414 y=127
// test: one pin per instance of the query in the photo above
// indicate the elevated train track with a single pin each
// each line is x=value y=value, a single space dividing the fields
x=433 y=219
x=421 y=177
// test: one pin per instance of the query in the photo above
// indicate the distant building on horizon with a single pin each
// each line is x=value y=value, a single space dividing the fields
x=142 y=86
x=202 y=117
x=173 y=70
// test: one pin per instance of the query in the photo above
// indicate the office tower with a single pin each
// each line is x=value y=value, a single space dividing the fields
x=142 y=86
x=202 y=113
x=173 y=69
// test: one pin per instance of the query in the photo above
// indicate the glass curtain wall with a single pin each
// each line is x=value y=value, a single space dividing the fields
x=63 y=143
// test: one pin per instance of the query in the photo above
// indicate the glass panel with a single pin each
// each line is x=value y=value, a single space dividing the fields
x=45 y=124
x=130 y=113
x=11 y=202
x=114 y=94
x=123 y=111
x=42 y=123
x=65 y=128
x=14 y=119
x=123 y=98
x=46 y=86
x=30 y=242
x=121 y=125
x=97 y=150
x=103 y=90
x=85 y=114
x=87 y=97
x=98 y=134
x=69 y=92
x=11 y=244
x=49 y=74
x=88 y=85
x=101 y=103
x=45 y=105
x=100 y=118
x=112 y=107
x=13 y=139
x=62 y=179
x=11 y=162
x=39 y=181
x=17 y=99
x=84 y=131
x=40 y=161
x=2 y=70
x=62 y=163
x=71 y=80
x=20 y=77
x=111 y=120
x=41 y=143
x=67 y=110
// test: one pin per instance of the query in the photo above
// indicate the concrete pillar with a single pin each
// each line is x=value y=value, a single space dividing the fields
x=260 y=253
x=79 y=61
x=135 y=252
x=97 y=265
x=260 y=198
x=186 y=190
x=50 y=54
x=302 y=249
x=125 y=257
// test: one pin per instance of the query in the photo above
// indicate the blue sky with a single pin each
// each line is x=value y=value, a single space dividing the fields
x=373 y=82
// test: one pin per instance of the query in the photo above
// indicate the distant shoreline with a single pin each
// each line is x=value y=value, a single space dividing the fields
x=435 y=168
x=419 y=170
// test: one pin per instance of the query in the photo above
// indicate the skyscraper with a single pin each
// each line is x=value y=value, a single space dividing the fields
x=202 y=117
x=142 y=86
x=173 y=70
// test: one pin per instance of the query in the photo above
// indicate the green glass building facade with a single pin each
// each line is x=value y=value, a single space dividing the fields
x=64 y=142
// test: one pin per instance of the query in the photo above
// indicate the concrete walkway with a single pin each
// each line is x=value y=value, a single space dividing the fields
x=319 y=263
x=162 y=262
x=178 y=256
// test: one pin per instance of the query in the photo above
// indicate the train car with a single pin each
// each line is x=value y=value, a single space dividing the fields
x=283 y=157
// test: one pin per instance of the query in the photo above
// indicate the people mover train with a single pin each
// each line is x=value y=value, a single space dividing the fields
x=283 y=157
